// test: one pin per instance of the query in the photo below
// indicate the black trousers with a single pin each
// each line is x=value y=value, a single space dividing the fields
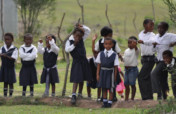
x=159 y=79
x=173 y=82
x=144 y=77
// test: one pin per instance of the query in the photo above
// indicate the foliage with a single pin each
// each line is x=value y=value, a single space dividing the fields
x=30 y=11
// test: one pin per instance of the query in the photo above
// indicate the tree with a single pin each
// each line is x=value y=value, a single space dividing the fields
x=172 y=9
x=2 y=24
x=30 y=11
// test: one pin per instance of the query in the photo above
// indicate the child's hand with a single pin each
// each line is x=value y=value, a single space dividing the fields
x=141 y=41
x=154 y=44
x=49 y=38
x=41 y=41
x=172 y=44
x=94 y=37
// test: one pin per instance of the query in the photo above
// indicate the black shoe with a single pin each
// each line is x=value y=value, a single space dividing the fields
x=73 y=99
x=109 y=105
x=115 y=99
x=105 y=105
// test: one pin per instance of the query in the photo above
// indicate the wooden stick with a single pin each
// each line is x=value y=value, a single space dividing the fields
x=106 y=13
x=2 y=24
x=82 y=11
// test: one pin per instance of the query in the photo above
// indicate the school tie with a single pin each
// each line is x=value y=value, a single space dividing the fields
x=106 y=53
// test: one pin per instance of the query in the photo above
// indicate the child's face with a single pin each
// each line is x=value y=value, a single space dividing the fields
x=8 y=40
x=167 y=59
x=161 y=29
x=28 y=41
x=108 y=44
x=108 y=36
x=149 y=26
x=77 y=35
x=131 y=44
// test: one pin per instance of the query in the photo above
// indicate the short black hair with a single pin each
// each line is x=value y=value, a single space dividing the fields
x=146 y=21
x=105 y=31
x=165 y=25
x=168 y=53
x=53 y=37
x=78 y=30
x=28 y=35
x=133 y=38
x=9 y=34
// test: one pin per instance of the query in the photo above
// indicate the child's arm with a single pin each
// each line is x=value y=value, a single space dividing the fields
x=98 y=72
x=122 y=74
x=93 y=45
x=54 y=48
x=86 y=32
x=115 y=73
x=14 y=55
x=173 y=39
x=117 y=49
x=68 y=46
x=41 y=49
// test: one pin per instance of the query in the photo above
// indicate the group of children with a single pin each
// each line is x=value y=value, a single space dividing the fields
x=102 y=71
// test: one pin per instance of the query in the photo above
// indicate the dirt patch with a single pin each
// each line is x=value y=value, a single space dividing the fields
x=87 y=103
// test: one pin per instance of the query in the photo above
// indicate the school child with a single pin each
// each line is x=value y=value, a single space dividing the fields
x=147 y=59
x=131 y=70
x=170 y=62
x=120 y=87
x=93 y=65
x=163 y=41
x=107 y=61
x=9 y=54
x=50 y=54
x=28 y=74
x=107 y=32
x=80 y=70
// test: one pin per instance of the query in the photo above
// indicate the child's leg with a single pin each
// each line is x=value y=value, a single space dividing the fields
x=11 y=90
x=31 y=90
x=80 y=89
x=133 y=92
x=73 y=100
x=24 y=91
x=53 y=89
x=99 y=93
x=105 y=101
x=111 y=97
x=114 y=95
x=127 y=92
x=89 y=91
x=5 y=89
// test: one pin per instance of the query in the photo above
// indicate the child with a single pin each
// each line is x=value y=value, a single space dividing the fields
x=50 y=54
x=9 y=54
x=147 y=59
x=107 y=32
x=120 y=87
x=131 y=70
x=28 y=74
x=107 y=61
x=163 y=41
x=170 y=61
x=93 y=65
x=80 y=70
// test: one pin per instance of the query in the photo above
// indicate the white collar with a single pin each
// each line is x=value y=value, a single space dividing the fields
x=109 y=52
x=27 y=47
x=172 y=63
x=102 y=41
x=5 y=46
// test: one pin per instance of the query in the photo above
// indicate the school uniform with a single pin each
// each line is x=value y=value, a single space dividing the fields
x=171 y=68
x=159 y=75
x=107 y=59
x=148 y=62
x=7 y=72
x=93 y=67
x=80 y=70
x=28 y=73
x=49 y=73
x=131 y=61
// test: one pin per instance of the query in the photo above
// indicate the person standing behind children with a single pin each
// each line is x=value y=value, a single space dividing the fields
x=28 y=73
x=131 y=70
x=50 y=54
x=163 y=41
x=147 y=59
x=107 y=61
x=80 y=70
x=9 y=54
x=170 y=61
